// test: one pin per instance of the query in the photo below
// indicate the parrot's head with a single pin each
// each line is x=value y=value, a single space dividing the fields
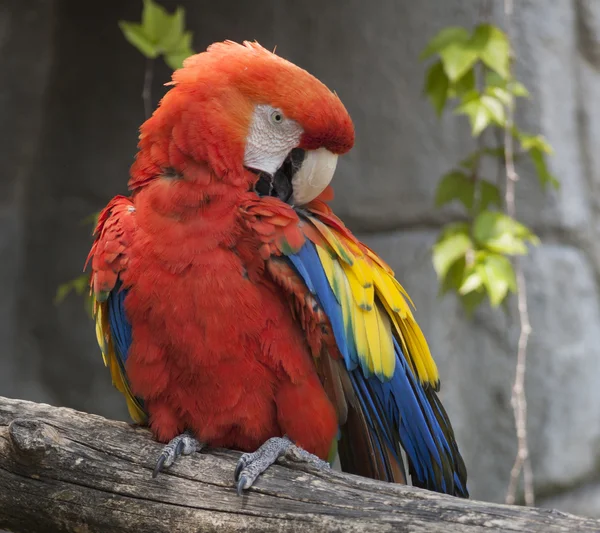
x=254 y=119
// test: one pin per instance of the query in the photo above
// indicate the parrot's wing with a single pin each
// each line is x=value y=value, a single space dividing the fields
x=380 y=362
x=114 y=232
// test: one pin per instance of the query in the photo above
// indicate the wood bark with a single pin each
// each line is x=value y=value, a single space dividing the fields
x=63 y=470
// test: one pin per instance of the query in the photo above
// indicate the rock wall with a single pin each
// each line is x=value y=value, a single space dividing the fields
x=70 y=105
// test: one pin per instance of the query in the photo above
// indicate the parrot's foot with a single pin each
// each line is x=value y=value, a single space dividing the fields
x=184 y=444
x=251 y=465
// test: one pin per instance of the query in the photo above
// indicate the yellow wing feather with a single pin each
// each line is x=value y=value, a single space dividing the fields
x=369 y=319
x=327 y=261
x=388 y=358
x=110 y=360
x=375 y=305
x=362 y=296
x=352 y=313
x=333 y=241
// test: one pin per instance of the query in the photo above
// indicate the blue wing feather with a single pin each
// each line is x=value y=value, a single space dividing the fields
x=120 y=329
x=399 y=408
x=308 y=265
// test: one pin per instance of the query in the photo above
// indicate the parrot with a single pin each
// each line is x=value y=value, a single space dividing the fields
x=234 y=309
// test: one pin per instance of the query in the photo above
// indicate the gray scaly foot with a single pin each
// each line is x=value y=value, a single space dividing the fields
x=251 y=465
x=184 y=444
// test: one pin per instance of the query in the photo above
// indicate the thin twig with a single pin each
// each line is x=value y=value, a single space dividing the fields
x=147 y=90
x=518 y=401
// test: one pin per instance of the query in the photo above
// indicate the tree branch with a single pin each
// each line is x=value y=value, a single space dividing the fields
x=62 y=470
x=518 y=399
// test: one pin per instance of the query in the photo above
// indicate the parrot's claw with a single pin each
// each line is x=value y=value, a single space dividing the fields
x=184 y=444
x=251 y=465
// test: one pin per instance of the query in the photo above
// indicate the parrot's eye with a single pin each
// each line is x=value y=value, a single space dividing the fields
x=276 y=117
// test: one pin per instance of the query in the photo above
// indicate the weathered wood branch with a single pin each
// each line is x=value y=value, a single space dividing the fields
x=62 y=470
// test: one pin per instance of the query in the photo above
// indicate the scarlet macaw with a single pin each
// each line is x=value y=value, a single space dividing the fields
x=234 y=309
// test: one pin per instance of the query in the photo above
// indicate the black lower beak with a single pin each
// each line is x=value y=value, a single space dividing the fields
x=277 y=185
x=280 y=184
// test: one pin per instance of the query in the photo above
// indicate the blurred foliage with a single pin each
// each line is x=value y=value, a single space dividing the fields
x=471 y=75
x=160 y=33
x=81 y=284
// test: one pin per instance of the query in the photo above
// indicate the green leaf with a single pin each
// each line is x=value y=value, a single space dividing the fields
x=160 y=33
x=184 y=50
x=463 y=86
x=500 y=233
x=176 y=60
x=541 y=168
x=135 y=34
x=436 y=86
x=479 y=122
x=455 y=185
x=472 y=301
x=79 y=285
x=501 y=94
x=457 y=58
x=503 y=269
x=480 y=38
x=489 y=195
x=62 y=292
x=479 y=114
x=155 y=20
x=537 y=146
x=453 y=46
x=498 y=277
x=444 y=38
x=517 y=89
x=529 y=142
x=455 y=228
x=495 y=109
x=492 y=47
x=91 y=219
x=448 y=250
x=170 y=39
x=471 y=283
x=454 y=276
x=493 y=79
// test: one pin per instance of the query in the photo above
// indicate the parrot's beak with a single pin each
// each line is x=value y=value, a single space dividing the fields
x=313 y=176
x=301 y=178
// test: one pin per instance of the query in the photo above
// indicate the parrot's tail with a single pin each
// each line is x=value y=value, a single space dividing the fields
x=363 y=455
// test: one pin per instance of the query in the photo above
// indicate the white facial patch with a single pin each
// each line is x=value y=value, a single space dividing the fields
x=270 y=139
x=314 y=175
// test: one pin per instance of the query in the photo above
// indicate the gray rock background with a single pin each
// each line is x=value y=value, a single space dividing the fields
x=70 y=107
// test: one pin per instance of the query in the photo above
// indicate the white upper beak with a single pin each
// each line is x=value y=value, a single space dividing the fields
x=314 y=175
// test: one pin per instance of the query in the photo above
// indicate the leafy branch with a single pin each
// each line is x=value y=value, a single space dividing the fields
x=472 y=77
x=480 y=257
x=159 y=33
x=81 y=284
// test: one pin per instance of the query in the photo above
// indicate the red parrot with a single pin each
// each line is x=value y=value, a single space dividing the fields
x=235 y=310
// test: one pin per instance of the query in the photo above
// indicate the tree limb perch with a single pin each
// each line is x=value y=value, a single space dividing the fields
x=63 y=470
